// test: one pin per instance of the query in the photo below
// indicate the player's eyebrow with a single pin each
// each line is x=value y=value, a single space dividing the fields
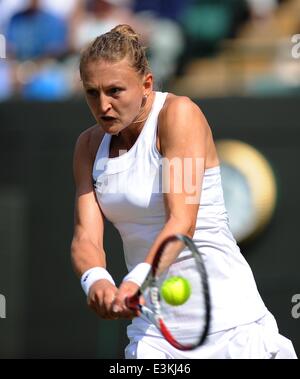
x=107 y=85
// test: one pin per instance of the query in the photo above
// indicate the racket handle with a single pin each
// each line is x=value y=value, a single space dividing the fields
x=133 y=302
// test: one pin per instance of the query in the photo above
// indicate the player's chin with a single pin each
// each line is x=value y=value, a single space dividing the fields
x=111 y=127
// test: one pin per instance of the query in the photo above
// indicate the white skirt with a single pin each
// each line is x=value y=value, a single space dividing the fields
x=257 y=340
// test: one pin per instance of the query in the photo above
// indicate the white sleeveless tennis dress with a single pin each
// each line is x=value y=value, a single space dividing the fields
x=128 y=189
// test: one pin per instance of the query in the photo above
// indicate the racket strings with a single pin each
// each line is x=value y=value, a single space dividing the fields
x=185 y=322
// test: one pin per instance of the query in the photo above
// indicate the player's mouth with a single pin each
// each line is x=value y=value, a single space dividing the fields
x=108 y=119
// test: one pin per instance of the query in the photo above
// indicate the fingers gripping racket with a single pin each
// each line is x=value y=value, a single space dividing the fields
x=175 y=294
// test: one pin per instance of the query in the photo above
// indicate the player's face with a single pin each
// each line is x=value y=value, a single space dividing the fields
x=114 y=93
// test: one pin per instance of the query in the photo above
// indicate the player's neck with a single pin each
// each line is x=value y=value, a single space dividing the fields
x=145 y=110
x=131 y=133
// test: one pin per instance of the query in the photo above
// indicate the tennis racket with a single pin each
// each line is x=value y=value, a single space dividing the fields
x=185 y=326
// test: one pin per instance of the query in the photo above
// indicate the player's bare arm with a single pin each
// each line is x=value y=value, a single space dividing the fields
x=87 y=244
x=183 y=136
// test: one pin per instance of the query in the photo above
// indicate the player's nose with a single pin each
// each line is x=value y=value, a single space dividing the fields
x=104 y=104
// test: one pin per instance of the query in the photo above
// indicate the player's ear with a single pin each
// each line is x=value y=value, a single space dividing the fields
x=148 y=84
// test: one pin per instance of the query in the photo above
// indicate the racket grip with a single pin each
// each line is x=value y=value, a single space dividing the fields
x=133 y=302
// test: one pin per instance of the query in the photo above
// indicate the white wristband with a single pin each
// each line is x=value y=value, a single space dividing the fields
x=138 y=274
x=92 y=275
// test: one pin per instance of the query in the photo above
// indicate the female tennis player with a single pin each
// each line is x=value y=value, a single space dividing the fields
x=150 y=166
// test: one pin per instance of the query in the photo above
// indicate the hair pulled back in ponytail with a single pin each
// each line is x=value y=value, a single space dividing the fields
x=119 y=43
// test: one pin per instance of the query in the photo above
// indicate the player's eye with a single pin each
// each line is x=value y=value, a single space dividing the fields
x=92 y=92
x=115 y=91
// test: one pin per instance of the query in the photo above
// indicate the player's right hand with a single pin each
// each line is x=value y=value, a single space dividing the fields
x=100 y=298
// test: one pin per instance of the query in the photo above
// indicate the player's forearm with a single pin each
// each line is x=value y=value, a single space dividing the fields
x=172 y=226
x=85 y=255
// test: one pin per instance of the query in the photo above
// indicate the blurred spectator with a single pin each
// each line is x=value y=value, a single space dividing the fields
x=97 y=17
x=208 y=22
x=9 y=8
x=171 y=9
x=262 y=8
x=5 y=80
x=166 y=45
x=47 y=82
x=61 y=8
x=34 y=33
x=162 y=36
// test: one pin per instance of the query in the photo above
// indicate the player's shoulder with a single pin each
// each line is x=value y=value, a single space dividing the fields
x=182 y=112
x=179 y=109
x=88 y=141
x=89 y=134
x=176 y=103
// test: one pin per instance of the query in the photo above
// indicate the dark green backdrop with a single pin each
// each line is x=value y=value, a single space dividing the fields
x=46 y=311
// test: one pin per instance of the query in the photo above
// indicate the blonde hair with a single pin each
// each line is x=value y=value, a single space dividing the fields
x=119 y=43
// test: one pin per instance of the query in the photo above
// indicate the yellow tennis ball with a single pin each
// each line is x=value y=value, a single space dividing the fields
x=175 y=290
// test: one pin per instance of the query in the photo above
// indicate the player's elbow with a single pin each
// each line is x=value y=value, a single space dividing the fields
x=191 y=229
x=74 y=247
x=183 y=224
x=75 y=253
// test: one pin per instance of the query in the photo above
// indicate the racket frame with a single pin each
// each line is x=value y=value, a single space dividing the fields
x=150 y=282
